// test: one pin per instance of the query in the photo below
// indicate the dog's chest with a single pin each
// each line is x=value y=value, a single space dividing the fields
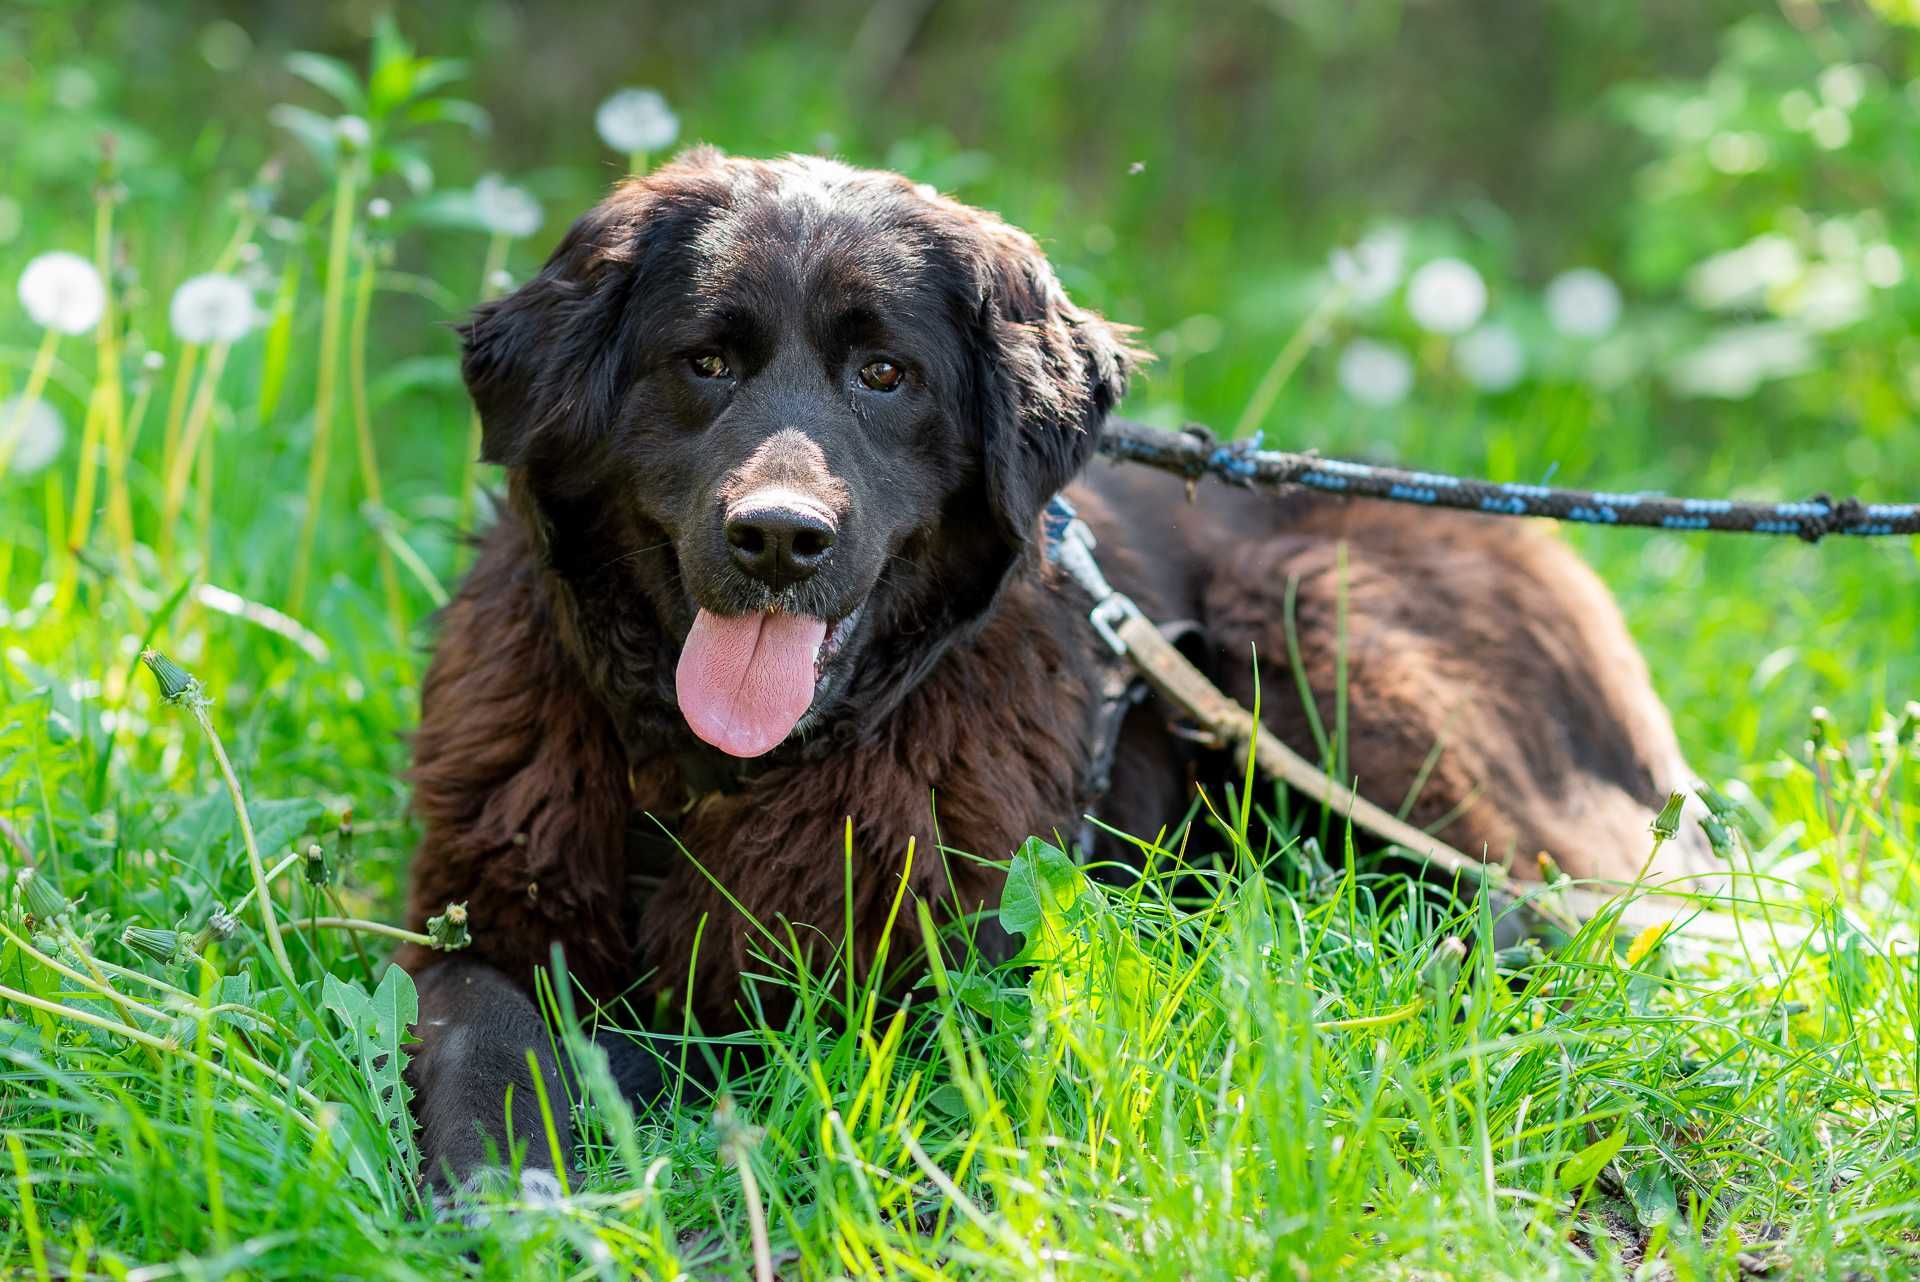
x=994 y=746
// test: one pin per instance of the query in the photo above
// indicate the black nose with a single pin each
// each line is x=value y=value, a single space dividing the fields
x=778 y=546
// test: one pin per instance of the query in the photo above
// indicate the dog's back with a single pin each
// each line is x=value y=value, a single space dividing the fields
x=1492 y=689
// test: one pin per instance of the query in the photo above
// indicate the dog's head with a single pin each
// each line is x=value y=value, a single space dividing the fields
x=808 y=414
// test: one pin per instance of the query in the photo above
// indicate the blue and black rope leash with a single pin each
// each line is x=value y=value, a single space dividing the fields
x=1193 y=453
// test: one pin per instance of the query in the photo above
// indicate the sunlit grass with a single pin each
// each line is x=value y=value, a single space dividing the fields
x=1241 y=1064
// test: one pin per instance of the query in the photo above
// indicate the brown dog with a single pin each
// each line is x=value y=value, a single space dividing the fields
x=778 y=435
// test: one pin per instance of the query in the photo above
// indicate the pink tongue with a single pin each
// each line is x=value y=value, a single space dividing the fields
x=744 y=680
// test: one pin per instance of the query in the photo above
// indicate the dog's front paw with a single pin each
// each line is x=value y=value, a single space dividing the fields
x=472 y=1202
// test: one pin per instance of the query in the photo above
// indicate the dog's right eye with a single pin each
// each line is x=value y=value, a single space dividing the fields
x=711 y=365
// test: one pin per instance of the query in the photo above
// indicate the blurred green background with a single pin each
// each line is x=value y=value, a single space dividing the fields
x=1735 y=185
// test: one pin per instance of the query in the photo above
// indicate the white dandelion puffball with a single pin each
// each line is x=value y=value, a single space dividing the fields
x=1491 y=358
x=1583 y=303
x=1733 y=362
x=1446 y=296
x=63 y=292
x=636 y=120
x=1371 y=269
x=1376 y=374
x=354 y=133
x=41 y=433
x=214 y=308
x=505 y=209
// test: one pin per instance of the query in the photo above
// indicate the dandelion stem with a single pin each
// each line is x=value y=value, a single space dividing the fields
x=203 y=507
x=179 y=687
x=331 y=316
x=363 y=926
x=369 y=457
x=121 y=1001
x=178 y=401
x=36 y=384
x=1287 y=361
x=137 y=416
x=269 y=923
x=148 y=1040
x=80 y=519
x=107 y=378
x=736 y=1145
x=180 y=461
x=273 y=875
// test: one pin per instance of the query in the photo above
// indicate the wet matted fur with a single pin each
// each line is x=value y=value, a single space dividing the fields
x=907 y=372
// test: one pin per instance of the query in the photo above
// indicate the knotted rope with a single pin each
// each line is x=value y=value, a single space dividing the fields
x=1193 y=453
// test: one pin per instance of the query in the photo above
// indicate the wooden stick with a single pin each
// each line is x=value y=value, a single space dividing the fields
x=1174 y=678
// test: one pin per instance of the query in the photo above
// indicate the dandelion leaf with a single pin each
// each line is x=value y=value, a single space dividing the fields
x=376 y=1028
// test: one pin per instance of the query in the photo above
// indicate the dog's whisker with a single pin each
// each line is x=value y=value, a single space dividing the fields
x=628 y=556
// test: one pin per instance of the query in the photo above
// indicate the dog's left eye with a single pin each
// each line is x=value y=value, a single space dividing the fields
x=711 y=365
x=882 y=376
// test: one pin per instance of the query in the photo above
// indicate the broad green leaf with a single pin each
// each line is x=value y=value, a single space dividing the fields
x=408 y=161
x=394 y=66
x=331 y=77
x=416 y=374
x=376 y=1029
x=449 y=111
x=201 y=824
x=277 y=823
x=430 y=74
x=1589 y=1161
x=1042 y=884
x=315 y=132
x=453 y=207
x=1651 y=1193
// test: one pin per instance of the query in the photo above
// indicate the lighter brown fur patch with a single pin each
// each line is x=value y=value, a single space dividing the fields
x=789 y=460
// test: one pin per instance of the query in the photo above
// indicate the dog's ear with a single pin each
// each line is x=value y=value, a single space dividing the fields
x=1046 y=375
x=549 y=364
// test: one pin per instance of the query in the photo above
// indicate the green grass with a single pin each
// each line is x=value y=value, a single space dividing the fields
x=1238 y=1067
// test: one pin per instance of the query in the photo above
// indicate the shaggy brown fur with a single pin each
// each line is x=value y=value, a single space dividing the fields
x=696 y=339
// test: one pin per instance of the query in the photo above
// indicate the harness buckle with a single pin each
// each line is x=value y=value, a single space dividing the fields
x=1108 y=614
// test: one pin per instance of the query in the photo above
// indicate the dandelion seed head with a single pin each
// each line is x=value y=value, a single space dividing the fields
x=1733 y=362
x=353 y=132
x=379 y=209
x=63 y=291
x=1371 y=269
x=1740 y=277
x=212 y=308
x=501 y=280
x=1378 y=375
x=1828 y=297
x=1843 y=86
x=153 y=361
x=637 y=120
x=75 y=89
x=1446 y=296
x=506 y=210
x=1830 y=127
x=1583 y=303
x=1880 y=264
x=41 y=434
x=1491 y=358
